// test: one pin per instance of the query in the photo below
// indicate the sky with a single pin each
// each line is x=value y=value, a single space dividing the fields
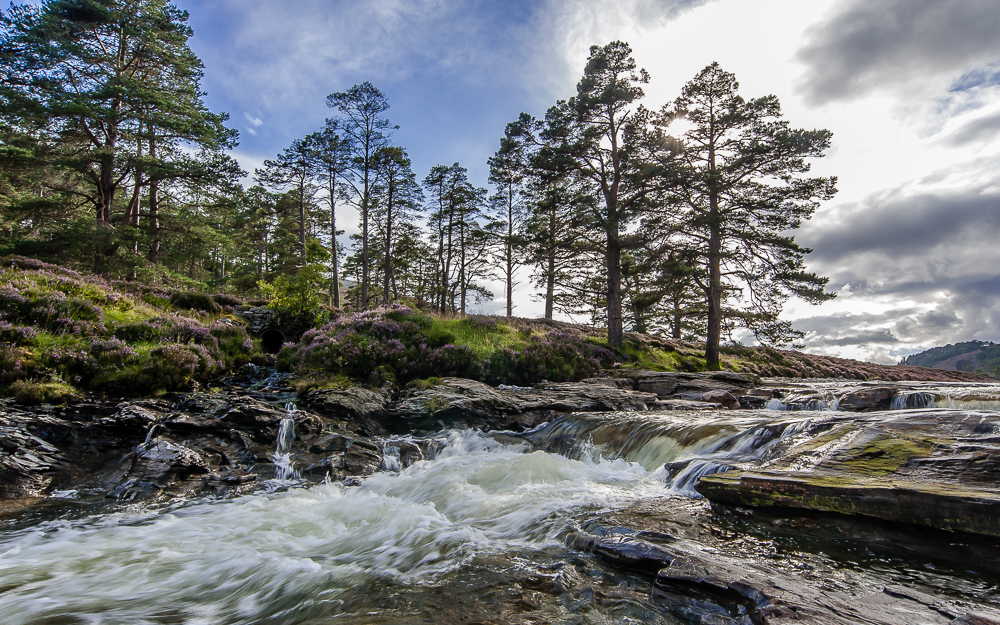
x=909 y=88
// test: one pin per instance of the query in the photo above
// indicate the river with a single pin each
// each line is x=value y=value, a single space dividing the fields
x=476 y=534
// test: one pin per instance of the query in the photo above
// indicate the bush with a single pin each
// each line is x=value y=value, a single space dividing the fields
x=195 y=301
x=401 y=345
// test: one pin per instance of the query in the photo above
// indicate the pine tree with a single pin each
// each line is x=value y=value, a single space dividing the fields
x=602 y=140
x=107 y=77
x=744 y=188
x=362 y=109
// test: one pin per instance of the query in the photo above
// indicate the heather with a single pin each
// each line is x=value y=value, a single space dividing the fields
x=62 y=333
x=398 y=344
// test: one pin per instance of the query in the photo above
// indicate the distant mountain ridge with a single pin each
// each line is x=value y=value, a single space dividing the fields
x=973 y=356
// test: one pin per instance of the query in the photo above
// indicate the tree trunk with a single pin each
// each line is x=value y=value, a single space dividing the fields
x=364 y=242
x=154 y=213
x=302 y=222
x=386 y=279
x=510 y=252
x=550 y=284
x=714 y=335
x=614 y=262
x=333 y=247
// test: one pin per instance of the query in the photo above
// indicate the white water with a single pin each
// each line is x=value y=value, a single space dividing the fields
x=290 y=557
x=284 y=468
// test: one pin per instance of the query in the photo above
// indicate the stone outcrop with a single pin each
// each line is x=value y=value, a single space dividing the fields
x=936 y=468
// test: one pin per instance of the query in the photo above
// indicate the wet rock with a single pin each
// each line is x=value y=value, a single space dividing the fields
x=352 y=403
x=334 y=442
x=685 y=404
x=978 y=618
x=938 y=505
x=364 y=457
x=725 y=398
x=701 y=587
x=868 y=399
x=462 y=402
x=669 y=384
x=162 y=461
x=623 y=551
x=934 y=468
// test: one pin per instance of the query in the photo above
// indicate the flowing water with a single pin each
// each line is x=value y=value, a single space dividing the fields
x=476 y=532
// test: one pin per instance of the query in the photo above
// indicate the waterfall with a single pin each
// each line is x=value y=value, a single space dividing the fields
x=907 y=400
x=284 y=469
x=688 y=447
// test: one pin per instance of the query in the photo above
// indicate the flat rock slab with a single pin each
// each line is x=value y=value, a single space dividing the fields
x=938 y=505
x=702 y=587
x=935 y=468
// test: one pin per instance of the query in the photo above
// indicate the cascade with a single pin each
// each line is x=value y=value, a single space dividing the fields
x=906 y=400
x=687 y=448
x=284 y=469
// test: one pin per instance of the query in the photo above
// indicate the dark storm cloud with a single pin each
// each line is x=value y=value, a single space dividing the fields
x=863 y=338
x=976 y=131
x=937 y=254
x=869 y=44
x=898 y=226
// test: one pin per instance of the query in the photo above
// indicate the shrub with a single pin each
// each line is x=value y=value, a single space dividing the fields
x=401 y=344
x=195 y=301
x=16 y=335
x=53 y=392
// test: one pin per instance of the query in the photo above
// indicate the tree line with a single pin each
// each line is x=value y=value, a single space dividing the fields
x=677 y=220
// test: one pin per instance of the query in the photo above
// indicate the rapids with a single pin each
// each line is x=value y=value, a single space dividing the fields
x=478 y=531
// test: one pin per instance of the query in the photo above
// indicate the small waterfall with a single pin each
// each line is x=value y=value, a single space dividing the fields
x=149 y=434
x=746 y=448
x=390 y=458
x=284 y=469
x=908 y=400
x=688 y=448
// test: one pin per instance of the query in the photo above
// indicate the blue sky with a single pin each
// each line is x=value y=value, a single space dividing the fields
x=910 y=89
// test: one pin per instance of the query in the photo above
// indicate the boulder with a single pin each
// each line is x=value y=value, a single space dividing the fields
x=350 y=403
x=468 y=403
x=725 y=398
x=868 y=399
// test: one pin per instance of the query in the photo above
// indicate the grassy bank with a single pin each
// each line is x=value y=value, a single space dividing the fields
x=399 y=345
x=63 y=333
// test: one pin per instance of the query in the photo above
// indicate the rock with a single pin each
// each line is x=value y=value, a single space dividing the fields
x=937 y=505
x=363 y=458
x=461 y=402
x=977 y=618
x=351 y=403
x=934 y=468
x=725 y=398
x=162 y=461
x=623 y=551
x=698 y=586
x=684 y=404
x=669 y=384
x=868 y=399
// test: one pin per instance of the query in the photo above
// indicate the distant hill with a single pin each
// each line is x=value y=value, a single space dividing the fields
x=973 y=356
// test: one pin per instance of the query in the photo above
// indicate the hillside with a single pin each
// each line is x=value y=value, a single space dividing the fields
x=63 y=333
x=973 y=356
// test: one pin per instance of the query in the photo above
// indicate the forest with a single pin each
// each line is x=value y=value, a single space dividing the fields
x=673 y=218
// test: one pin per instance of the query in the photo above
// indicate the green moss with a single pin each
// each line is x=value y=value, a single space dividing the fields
x=332 y=382
x=424 y=384
x=434 y=404
x=884 y=455
x=34 y=392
